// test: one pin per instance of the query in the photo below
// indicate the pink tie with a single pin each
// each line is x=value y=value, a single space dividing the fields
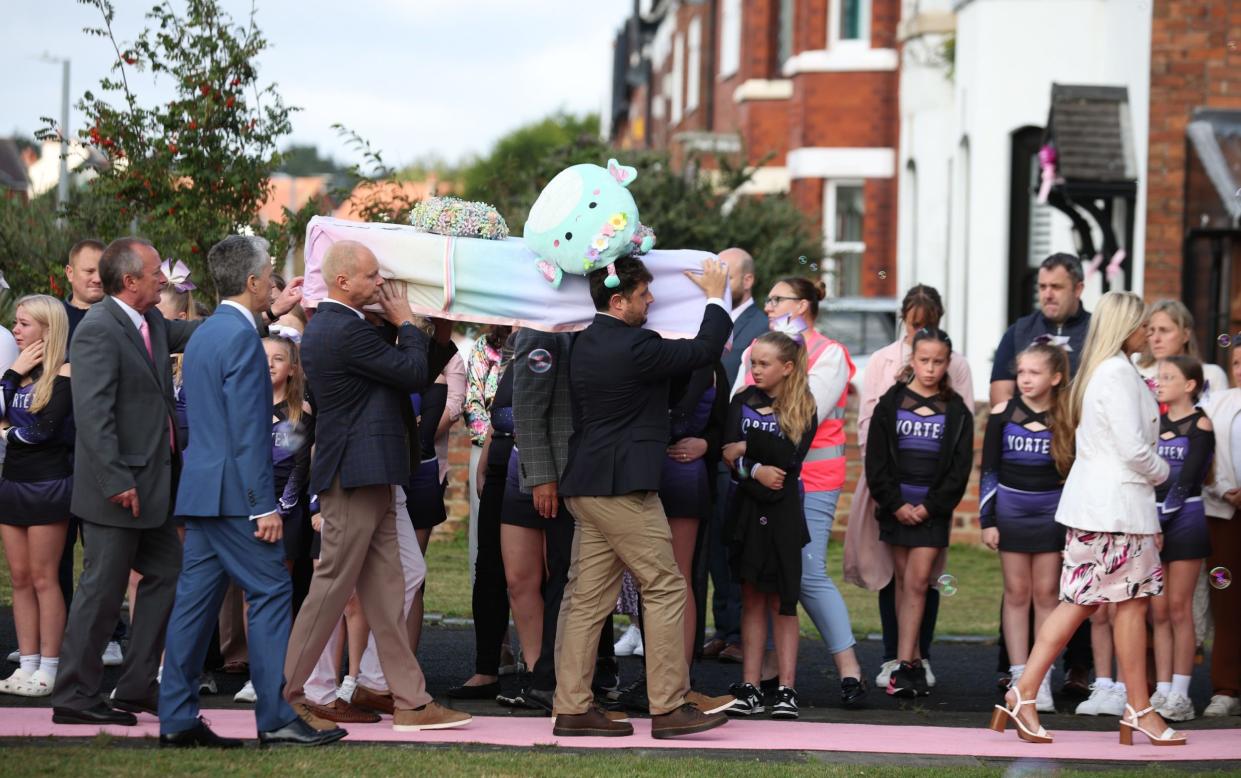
x=145 y=329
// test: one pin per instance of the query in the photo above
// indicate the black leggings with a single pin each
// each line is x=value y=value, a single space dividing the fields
x=490 y=600
x=887 y=616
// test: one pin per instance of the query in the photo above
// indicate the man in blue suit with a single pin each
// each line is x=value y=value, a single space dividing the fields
x=232 y=527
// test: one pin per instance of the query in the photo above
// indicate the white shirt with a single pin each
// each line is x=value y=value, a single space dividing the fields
x=740 y=309
x=8 y=349
x=133 y=315
x=249 y=314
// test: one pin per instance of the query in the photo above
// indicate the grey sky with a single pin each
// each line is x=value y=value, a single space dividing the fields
x=414 y=77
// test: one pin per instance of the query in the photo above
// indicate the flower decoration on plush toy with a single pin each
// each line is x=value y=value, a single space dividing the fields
x=585 y=219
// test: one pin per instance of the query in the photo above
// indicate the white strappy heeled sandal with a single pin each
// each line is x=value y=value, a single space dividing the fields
x=999 y=720
x=1129 y=723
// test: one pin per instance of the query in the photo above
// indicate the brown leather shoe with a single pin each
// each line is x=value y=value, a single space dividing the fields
x=429 y=716
x=307 y=715
x=731 y=653
x=618 y=716
x=369 y=699
x=1076 y=683
x=685 y=720
x=712 y=648
x=343 y=713
x=710 y=704
x=593 y=723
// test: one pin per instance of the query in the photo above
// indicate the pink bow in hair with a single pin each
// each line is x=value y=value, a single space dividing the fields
x=178 y=274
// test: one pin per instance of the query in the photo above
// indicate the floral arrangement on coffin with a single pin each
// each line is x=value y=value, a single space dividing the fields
x=458 y=218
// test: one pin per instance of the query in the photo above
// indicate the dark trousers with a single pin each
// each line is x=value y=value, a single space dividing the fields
x=490 y=597
x=109 y=554
x=217 y=550
x=726 y=599
x=887 y=617
x=65 y=574
x=558 y=539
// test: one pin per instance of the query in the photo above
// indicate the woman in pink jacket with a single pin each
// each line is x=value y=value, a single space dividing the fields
x=868 y=562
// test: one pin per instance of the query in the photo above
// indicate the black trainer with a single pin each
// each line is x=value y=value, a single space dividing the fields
x=767 y=688
x=786 y=704
x=853 y=692
x=919 y=678
x=749 y=700
x=901 y=683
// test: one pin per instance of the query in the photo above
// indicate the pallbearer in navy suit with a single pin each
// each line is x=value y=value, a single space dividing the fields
x=232 y=527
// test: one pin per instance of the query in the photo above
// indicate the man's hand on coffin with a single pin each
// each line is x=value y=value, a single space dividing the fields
x=395 y=303
x=290 y=297
x=714 y=278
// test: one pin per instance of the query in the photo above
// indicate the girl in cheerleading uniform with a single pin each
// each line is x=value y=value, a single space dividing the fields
x=36 y=484
x=770 y=428
x=1026 y=452
x=919 y=453
x=292 y=436
x=1187 y=444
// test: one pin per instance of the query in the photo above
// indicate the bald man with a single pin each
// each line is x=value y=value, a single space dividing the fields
x=362 y=454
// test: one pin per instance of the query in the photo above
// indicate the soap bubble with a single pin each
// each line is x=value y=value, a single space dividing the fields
x=947 y=584
x=1220 y=577
x=802 y=260
x=539 y=361
x=1224 y=340
x=883 y=274
x=813 y=266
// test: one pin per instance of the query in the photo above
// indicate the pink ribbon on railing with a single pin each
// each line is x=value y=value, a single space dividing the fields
x=1113 y=266
x=1047 y=161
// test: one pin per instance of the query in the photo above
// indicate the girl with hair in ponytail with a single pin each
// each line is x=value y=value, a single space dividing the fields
x=769 y=430
x=1027 y=451
x=1112 y=540
x=919 y=454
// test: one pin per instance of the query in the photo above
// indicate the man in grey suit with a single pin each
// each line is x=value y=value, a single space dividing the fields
x=123 y=409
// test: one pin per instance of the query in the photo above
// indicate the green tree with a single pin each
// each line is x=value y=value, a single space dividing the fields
x=190 y=171
x=33 y=250
x=686 y=208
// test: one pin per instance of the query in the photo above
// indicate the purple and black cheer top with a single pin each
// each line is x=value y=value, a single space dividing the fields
x=40 y=443
x=919 y=441
x=1020 y=484
x=1189 y=451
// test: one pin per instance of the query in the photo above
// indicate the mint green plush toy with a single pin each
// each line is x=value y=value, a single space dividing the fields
x=585 y=219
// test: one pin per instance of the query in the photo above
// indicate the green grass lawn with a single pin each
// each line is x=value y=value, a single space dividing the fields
x=973 y=610
x=104 y=757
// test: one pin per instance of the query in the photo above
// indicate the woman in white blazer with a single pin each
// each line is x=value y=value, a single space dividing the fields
x=1223 y=507
x=1111 y=552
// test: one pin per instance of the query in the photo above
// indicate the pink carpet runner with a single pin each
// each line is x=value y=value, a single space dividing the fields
x=1204 y=745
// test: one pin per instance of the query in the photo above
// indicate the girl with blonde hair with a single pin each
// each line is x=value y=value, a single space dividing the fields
x=36 y=485
x=1111 y=553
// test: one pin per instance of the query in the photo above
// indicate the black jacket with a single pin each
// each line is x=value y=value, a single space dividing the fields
x=955 y=464
x=361 y=387
x=619 y=377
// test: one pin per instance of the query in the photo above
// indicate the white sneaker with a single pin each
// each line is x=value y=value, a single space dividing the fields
x=37 y=685
x=1158 y=699
x=628 y=642
x=15 y=657
x=886 y=670
x=246 y=694
x=1091 y=705
x=10 y=684
x=1176 y=708
x=1114 y=703
x=930 y=677
x=1044 y=702
x=1222 y=705
x=112 y=655
x=640 y=648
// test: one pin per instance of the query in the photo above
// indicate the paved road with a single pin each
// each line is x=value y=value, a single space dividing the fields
x=963 y=697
